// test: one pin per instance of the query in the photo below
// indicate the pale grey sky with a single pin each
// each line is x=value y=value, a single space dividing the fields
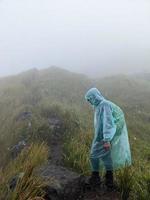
x=94 y=36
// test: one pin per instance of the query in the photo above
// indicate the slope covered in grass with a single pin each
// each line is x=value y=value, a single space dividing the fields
x=35 y=91
x=38 y=104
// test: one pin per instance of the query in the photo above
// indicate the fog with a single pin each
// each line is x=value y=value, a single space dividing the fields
x=97 y=37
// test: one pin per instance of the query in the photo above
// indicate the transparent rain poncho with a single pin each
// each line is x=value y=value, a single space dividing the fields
x=110 y=126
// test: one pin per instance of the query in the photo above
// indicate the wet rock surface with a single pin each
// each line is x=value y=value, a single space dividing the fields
x=63 y=183
x=67 y=185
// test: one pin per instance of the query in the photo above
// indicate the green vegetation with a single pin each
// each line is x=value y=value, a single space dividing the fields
x=22 y=170
x=133 y=182
x=77 y=152
x=31 y=100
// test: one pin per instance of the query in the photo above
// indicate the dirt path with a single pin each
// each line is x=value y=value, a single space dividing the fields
x=56 y=150
x=66 y=184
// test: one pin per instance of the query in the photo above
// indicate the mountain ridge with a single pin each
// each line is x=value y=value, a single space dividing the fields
x=37 y=88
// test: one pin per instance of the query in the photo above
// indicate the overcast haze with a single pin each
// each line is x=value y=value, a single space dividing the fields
x=99 y=37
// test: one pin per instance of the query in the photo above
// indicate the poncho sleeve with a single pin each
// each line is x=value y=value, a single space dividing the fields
x=108 y=124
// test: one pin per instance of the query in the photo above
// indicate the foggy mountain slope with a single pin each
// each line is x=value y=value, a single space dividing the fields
x=34 y=89
x=143 y=76
x=45 y=105
x=130 y=90
x=67 y=87
x=53 y=83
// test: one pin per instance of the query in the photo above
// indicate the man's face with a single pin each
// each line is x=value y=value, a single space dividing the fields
x=89 y=99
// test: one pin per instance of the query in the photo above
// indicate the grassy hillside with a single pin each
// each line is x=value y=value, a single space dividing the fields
x=31 y=102
x=35 y=90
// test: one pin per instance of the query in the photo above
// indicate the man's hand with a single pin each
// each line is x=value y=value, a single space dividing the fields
x=107 y=146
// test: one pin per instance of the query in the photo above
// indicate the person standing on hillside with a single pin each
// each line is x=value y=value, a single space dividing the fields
x=110 y=143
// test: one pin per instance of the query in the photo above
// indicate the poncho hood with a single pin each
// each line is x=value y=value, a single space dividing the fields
x=94 y=96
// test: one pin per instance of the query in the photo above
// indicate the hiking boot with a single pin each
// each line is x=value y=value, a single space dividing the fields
x=109 y=181
x=95 y=180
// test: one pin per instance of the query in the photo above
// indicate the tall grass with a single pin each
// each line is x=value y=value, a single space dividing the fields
x=28 y=185
x=125 y=179
x=133 y=182
x=76 y=150
x=141 y=186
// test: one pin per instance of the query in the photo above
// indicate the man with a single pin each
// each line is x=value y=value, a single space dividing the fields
x=110 y=143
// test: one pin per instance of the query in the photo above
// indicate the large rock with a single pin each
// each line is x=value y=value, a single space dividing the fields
x=63 y=183
x=55 y=124
x=24 y=115
x=16 y=149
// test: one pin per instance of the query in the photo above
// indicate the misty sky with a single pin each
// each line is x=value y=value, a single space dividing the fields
x=94 y=36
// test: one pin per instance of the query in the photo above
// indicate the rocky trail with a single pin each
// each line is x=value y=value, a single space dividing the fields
x=66 y=184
